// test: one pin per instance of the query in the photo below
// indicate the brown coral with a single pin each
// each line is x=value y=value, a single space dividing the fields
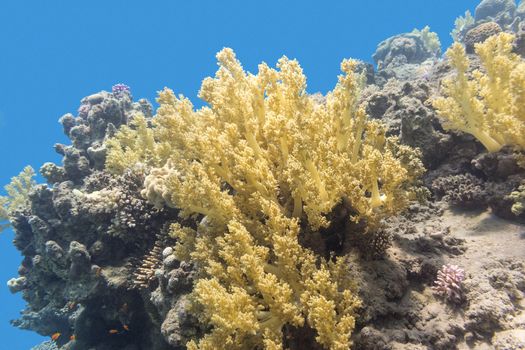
x=479 y=34
x=465 y=190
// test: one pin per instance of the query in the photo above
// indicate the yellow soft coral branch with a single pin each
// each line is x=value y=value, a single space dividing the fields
x=488 y=104
x=17 y=195
x=262 y=161
x=131 y=145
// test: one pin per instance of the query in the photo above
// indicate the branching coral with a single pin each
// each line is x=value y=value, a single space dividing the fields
x=17 y=195
x=489 y=104
x=449 y=283
x=261 y=162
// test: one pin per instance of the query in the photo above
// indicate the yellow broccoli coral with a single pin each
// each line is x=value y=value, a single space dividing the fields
x=430 y=40
x=17 y=194
x=489 y=104
x=132 y=144
x=263 y=161
x=263 y=133
x=461 y=25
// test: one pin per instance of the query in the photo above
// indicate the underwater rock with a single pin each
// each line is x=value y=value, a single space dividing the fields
x=500 y=201
x=498 y=165
x=499 y=11
x=406 y=55
x=178 y=326
x=367 y=69
x=519 y=42
x=52 y=173
x=402 y=107
x=402 y=49
x=98 y=117
x=15 y=285
x=395 y=315
x=80 y=259
x=494 y=297
x=510 y=339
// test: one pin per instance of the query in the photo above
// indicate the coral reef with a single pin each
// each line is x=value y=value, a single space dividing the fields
x=84 y=238
x=272 y=218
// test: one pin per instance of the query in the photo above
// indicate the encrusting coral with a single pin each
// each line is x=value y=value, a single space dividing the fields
x=262 y=163
x=489 y=104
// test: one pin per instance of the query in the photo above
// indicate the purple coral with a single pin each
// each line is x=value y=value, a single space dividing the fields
x=449 y=283
x=118 y=88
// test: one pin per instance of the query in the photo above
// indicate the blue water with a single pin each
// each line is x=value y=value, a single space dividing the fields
x=54 y=53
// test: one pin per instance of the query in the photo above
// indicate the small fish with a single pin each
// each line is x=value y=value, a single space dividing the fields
x=71 y=305
x=113 y=331
x=126 y=327
x=72 y=337
x=55 y=336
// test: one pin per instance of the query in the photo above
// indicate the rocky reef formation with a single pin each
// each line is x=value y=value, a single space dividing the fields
x=102 y=267
x=406 y=55
x=89 y=239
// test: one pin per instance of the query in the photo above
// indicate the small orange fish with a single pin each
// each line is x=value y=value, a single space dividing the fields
x=113 y=331
x=126 y=327
x=72 y=337
x=55 y=336
x=71 y=305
